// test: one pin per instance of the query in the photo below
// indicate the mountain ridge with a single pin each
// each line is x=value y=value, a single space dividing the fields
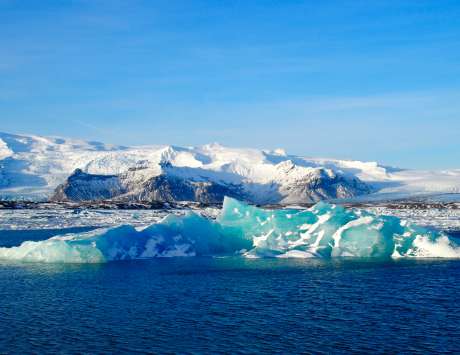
x=36 y=167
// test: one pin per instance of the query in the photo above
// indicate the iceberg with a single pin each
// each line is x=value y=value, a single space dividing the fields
x=327 y=230
x=188 y=235
x=323 y=231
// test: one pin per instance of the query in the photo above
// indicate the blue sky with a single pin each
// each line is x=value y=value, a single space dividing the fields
x=369 y=80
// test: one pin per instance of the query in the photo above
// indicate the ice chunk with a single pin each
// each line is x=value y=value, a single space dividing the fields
x=188 y=235
x=327 y=230
x=322 y=231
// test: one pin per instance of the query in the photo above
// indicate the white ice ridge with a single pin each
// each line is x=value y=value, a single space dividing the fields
x=323 y=231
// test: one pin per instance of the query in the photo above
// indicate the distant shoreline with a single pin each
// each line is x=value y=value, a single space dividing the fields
x=159 y=205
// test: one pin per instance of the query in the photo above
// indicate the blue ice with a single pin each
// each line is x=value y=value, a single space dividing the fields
x=323 y=231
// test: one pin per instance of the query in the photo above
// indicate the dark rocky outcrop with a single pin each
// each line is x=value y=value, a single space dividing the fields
x=172 y=189
x=321 y=184
x=81 y=186
x=325 y=184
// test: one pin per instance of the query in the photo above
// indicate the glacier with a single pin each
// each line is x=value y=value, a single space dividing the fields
x=323 y=231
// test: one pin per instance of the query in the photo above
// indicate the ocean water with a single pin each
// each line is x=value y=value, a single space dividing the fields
x=229 y=305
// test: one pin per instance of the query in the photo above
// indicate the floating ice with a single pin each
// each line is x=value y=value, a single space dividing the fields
x=327 y=230
x=322 y=231
x=187 y=235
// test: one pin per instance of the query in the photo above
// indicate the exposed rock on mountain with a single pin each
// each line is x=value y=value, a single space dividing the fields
x=323 y=184
x=172 y=189
x=81 y=186
x=319 y=184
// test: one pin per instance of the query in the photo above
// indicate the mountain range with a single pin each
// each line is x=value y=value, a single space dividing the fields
x=60 y=169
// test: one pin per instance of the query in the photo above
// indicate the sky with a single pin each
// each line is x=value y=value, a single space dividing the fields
x=368 y=80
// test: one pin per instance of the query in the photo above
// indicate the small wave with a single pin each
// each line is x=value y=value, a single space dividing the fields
x=323 y=231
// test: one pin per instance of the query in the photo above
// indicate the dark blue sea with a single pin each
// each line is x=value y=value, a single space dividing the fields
x=228 y=305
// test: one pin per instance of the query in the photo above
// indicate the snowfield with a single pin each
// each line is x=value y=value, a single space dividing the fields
x=31 y=167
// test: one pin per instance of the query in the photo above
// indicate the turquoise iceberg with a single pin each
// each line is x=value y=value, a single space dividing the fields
x=323 y=231
x=327 y=230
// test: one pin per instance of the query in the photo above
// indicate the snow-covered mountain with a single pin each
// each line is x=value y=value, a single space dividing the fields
x=34 y=167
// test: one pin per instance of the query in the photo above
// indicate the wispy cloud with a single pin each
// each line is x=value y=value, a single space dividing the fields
x=105 y=131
